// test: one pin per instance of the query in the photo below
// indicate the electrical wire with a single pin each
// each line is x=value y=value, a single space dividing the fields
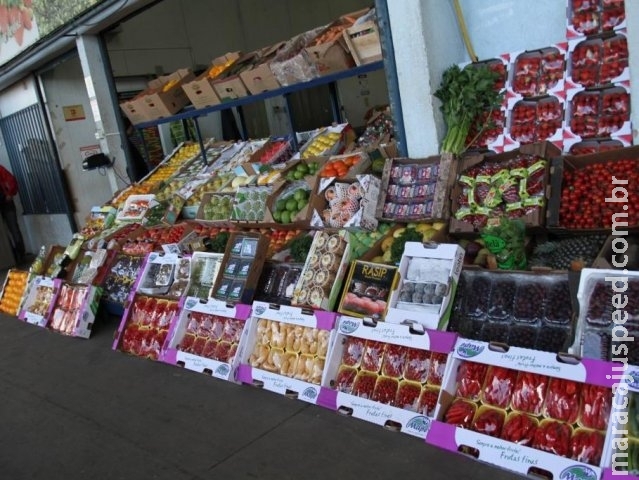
x=464 y=31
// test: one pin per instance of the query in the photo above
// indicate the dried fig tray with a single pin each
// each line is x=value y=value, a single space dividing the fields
x=527 y=310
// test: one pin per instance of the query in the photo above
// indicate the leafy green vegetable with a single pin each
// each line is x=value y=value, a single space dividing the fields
x=397 y=248
x=217 y=244
x=506 y=241
x=465 y=94
x=300 y=247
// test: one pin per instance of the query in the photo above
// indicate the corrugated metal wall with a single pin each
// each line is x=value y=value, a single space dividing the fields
x=33 y=161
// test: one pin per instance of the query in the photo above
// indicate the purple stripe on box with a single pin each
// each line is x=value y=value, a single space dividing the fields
x=597 y=372
x=325 y=320
x=244 y=374
x=327 y=398
x=242 y=312
x=442 y=435
x=169 y=356
x=441 y=342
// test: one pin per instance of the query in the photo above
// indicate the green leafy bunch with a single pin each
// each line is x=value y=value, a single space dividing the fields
x=465 y=94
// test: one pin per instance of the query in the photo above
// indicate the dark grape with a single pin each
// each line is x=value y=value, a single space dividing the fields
x=558 y=303
x=501 y=299
x=476 y=302
x=529 y=302
x=599 y=311
x=552 y=339
x=495 y=332
x=523 y=336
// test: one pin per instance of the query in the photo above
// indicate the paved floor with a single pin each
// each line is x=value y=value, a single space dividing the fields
x=74 y=409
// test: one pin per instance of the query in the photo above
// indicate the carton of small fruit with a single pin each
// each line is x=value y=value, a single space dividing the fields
x=594 y=62
x=598 y=113
x=344 y=167
x=367 y=289
x=205 y=335
x=241 y=268
x=159 y=272
x=387 y=374
x=39 y=300
x=216 y=208
x=135 y=207
x=145 y=325
x=284 y=350
x=121 y=275
x=515 y=182
x=576 y=181
x=532 y=120
x=325 y=142
x=428 y=277
x=530 y=412
x=13 y=290
x=586 y=18
x=324 y=271
x=608 y=323
x=533 y=73
x=417 y=189
x=75 y=310
x=276 y=150
x=348 y=204
x=622 y=457
x=205 y=267
x=293 y=202
x=99 y=219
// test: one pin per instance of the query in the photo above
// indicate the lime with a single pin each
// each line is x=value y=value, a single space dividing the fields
x=291 y=205
x=277 y=216
x=280 y=204
x=298 y=175
x=286 y=217
x=302 y=167
x=301 y=204
x=300 y=195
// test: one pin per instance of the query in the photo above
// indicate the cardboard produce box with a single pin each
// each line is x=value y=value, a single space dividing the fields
x=200 y=91
x=39 y=300
x=260 y=78
x=75 y=309
x=292 y=63
x=417 y=189
x=609 y=259
x=229 y=85
x=622 y=447
x=569 y=164
x=362 y=40
x=386 y=374
x=534 y=220
x=526 y=411
x=163 y=97
x=284 y=350
x=204 y=337
x=329 y=50
x=435 y=270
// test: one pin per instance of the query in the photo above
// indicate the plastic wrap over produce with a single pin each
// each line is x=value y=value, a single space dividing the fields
x=292 y=63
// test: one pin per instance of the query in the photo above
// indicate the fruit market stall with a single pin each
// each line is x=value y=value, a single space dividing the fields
x=464 y=299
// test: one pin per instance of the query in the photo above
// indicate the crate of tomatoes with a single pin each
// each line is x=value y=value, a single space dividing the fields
x=591 y=192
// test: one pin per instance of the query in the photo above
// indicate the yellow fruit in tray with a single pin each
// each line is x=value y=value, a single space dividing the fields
x=439 y=225
x=387 y=243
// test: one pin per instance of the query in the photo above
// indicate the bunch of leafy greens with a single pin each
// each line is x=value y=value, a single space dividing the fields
x=507 y=241
x=300 y=246
x=466 y=94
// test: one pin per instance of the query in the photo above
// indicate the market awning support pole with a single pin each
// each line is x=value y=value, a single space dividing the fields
x=97 y=78
x=464 y=31
x=390 y=68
